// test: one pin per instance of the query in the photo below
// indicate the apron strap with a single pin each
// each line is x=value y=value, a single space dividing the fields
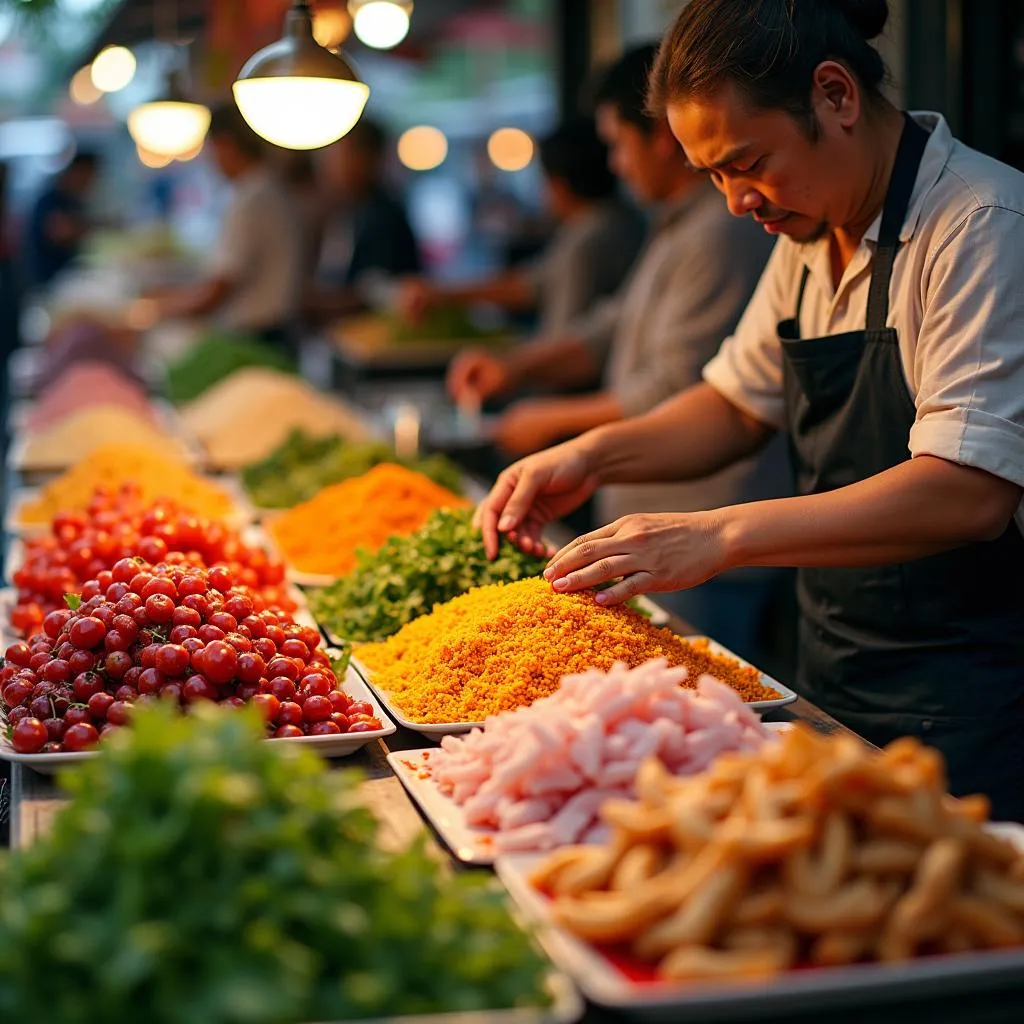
x=800 y=300
x=894 y=212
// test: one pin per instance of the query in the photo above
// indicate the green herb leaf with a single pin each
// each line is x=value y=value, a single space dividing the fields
x=408 y=576
x=73 y=601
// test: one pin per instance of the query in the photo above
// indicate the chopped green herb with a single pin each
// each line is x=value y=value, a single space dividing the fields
x=409 y=575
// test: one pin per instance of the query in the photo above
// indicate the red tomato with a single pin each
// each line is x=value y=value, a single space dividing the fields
x=81 y=736
x=28 y=736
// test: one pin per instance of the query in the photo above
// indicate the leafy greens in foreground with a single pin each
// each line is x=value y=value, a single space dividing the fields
x=203 y=875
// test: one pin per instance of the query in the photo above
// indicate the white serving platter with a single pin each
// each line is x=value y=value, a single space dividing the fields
x=786 y=695
x=469 y=843
x=424 y=729
x=822 y=989
x=341 y=745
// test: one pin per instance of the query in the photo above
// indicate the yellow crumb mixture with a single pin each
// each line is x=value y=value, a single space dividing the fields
x=506 y=645
x=110 y=466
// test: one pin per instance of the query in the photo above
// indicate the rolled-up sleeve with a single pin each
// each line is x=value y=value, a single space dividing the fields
x=747 y=369
x=968 y=365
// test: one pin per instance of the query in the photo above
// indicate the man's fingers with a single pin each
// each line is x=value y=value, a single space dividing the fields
x=593 y=575
x=632 y=586
x=491 y=509
x=583 y=547
x=520 y=502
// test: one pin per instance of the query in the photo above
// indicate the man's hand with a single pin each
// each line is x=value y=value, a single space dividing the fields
x=652 y=553
x=476 y=375
x=416 y=297
x=534 y=492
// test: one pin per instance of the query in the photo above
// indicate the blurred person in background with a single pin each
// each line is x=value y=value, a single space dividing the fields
x=58 y=222
x=648 y=343
x=297 y=170
x=255 y=279
x=596 y=243
x=367 y=242
x=10 y=305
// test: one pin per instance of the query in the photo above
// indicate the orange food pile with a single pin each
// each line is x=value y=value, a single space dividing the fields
x=323 y=534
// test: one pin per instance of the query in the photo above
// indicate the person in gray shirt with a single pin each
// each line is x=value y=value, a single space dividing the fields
x=649 y=342
x=596 y=243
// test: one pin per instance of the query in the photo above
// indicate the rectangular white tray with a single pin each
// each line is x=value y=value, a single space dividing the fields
x=786 y=696
x=469 y=843
x=327 y=746
x=821 y=989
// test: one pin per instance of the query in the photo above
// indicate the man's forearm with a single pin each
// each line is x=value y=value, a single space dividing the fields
x=919 y=508
x=553 y=363
x=578 y=414
x=691 y=436
x=199 y=299
x=509 y=290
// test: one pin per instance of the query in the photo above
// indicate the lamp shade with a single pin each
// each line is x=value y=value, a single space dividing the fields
x=296 y=94
x=169 y=127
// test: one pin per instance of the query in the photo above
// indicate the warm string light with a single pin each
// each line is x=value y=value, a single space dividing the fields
x=422 y=148
x=510 y=149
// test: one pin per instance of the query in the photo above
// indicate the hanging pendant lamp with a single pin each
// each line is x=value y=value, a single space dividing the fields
x=171 y=125
x=296 y=94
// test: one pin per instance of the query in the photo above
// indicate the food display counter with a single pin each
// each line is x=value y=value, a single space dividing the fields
x=597 y=759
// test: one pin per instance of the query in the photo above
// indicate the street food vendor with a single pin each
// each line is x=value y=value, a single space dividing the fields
x=887 y=337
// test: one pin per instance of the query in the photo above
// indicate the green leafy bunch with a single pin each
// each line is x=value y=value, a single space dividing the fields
x=215 y=357
x=203 y=875
x=303 y=465
x=408 y=576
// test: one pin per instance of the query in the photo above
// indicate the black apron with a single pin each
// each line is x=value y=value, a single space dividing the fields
x=932 y=648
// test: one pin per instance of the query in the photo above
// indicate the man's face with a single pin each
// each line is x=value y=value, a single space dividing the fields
x=765 y=164
x=635 y=157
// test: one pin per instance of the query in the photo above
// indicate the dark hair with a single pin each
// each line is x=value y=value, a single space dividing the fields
x=768 y=49
x=623 y=85
x=226 y=122
x=574 y=154
x=369 y=136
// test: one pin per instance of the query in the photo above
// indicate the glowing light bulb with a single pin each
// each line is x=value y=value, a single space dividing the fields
x=381 y=24
x=153 y=160
x=81 y=90
x=113 y=68
x=300 y=113
x=169 y=127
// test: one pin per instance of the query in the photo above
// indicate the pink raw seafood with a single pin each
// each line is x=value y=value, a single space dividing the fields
x=538 y=775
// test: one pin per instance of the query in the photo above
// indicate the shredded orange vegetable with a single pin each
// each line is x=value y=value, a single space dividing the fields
x=503 y=646
x=323 y=534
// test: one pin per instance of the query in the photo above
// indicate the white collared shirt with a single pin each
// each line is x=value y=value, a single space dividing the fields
x=956 y=300
x=260 y=251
